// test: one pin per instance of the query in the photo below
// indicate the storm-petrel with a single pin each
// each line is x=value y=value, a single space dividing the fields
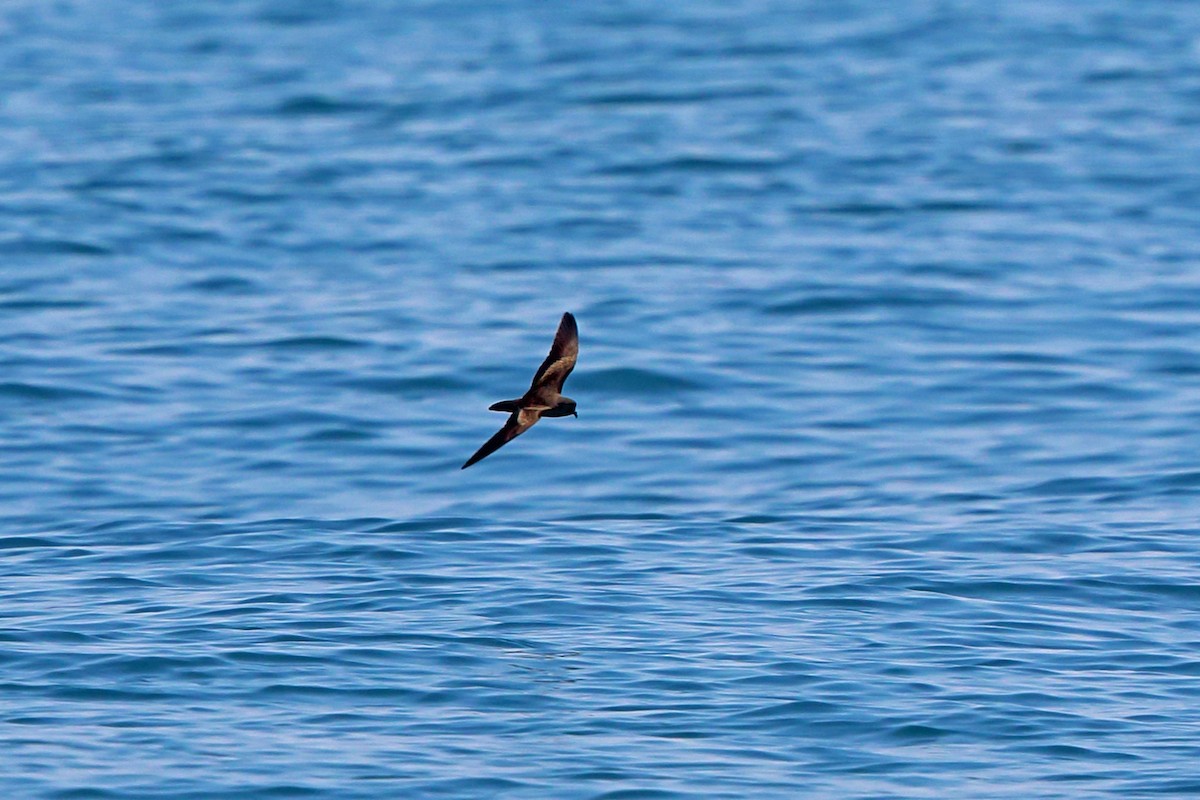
x=544 y=398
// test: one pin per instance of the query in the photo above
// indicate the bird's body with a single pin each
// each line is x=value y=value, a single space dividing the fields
x=544 y=398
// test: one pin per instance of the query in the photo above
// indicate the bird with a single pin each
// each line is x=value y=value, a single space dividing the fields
x=544 y=398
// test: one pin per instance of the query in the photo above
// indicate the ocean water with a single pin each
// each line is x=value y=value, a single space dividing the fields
x=885 y=477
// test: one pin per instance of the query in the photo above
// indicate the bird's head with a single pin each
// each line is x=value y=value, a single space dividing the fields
x=565 y=407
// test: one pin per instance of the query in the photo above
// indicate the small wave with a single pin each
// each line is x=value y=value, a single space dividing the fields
x=633 y=380
x=830 y=303
x=428 y=385
x=314 y=343
x=53 y=247
x=678 y=97
x=713 y=164
x=319 y=105
x=1078 y=486
x=44 y=392
x=44 y=305
x=226 y=285
x=21 y=542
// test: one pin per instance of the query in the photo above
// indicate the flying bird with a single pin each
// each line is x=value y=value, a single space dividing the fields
x=544 y=398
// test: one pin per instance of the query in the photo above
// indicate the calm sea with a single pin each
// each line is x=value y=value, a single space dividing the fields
x=885 y=481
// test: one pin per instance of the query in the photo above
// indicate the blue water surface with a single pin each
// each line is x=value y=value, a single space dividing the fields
x=885 y=480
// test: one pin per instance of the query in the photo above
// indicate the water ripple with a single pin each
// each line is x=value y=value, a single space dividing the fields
x=884 y=478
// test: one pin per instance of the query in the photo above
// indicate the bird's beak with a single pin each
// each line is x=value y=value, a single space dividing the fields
x=575 y=414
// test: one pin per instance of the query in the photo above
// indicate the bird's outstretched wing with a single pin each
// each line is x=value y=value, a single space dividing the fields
x=518 y=423
x=558 y=365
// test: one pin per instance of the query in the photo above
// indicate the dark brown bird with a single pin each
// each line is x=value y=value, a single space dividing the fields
x=544 y=398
